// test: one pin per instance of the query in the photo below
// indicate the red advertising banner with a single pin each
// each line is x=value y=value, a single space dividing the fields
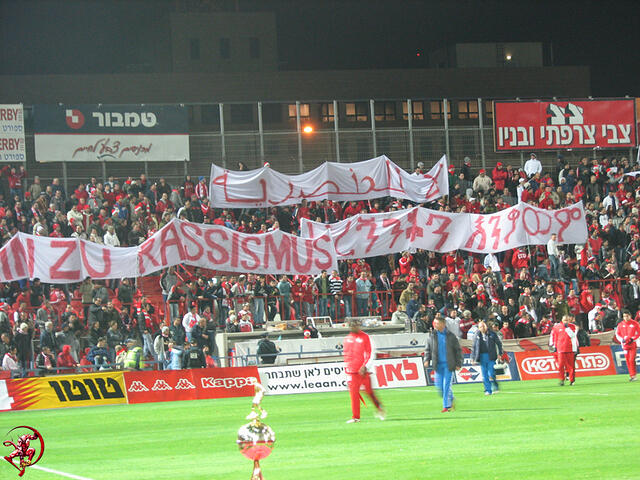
x=542 y=364
x=553 y=125
x=194 y=384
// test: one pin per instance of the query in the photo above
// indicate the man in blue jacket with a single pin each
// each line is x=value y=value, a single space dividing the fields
x=444 y=355
x=487 y=348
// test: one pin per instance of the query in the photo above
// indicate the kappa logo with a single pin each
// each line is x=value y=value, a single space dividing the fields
x=184 y=384
x=588 y=362
x=413 y=342
x=230 y=382
x=161 y=385
x=137 y=386
x=74 y=118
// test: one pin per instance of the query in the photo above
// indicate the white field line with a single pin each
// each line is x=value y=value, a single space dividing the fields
x=56 y=472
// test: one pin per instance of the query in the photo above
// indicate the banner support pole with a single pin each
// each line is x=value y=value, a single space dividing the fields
x=412 y=159
x=445 y=107
x=223 y=147
x=300 y=163
x=261 y=132
x=373 y=127
x=336 y=129
x=64 y=177
x=481 y=126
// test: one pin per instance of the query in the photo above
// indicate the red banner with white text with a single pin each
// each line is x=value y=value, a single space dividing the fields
x=192 y=384
x=541 y=364
x=553 y=125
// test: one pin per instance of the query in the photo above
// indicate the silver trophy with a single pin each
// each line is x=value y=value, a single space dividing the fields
x=256 y=439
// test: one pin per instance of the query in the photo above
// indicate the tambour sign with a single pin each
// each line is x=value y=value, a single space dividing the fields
x=552 y=125
x=542 y=364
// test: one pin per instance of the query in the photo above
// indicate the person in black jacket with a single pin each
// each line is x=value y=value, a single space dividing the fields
x=193 y=357
x=487 y=348
x=46 y=362
x=48 y=338
x=267 y=350
x=444 y=355
x=22 y=341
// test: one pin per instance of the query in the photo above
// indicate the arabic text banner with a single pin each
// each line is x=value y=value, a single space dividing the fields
x=69 y=260
x=12 y=146
x=111 y=133
x=375 y=178
x=368 y=235
x=564 y=124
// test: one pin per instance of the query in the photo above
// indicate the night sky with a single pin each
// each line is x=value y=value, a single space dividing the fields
x=90 y=36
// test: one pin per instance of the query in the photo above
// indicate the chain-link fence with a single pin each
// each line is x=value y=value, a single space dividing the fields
x=275 y=133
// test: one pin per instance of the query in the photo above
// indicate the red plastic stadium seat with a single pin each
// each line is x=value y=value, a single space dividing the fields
x=595 y=342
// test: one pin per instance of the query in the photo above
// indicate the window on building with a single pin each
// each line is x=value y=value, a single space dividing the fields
x=417 y=110
x=241 y=113
x=304 y=111
x=210 y=114
x=488 y=109
x=254 y=47
x=326 y=112
x=468 y=109
x=384 y=111
x=225 y=48
x=437 y=110
x=272 y=113
x=357 y=112
x=194 y=49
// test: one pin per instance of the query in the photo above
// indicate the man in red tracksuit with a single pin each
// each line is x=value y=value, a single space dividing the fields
x=564 y=338
x=358 y=359
x=628 y=333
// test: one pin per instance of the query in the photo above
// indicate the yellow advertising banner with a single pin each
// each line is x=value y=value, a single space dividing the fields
x=103 y=388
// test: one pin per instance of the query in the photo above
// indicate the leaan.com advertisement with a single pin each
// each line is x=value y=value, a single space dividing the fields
x=330 y=377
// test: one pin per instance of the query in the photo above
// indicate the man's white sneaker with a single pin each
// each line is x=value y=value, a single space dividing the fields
x=381 y=414
x=353 y=420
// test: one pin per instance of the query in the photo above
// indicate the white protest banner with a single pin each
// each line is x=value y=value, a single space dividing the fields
x=69 y=260
x=369 y=235
x=12 y=146
x=375 y=178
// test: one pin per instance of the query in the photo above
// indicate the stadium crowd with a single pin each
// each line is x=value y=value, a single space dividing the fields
x=115 y=324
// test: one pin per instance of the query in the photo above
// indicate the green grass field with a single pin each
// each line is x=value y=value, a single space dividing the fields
x=530 y=430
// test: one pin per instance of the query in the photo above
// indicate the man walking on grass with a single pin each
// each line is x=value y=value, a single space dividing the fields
x=358 y=358
x=444 y=355
x=628 y=333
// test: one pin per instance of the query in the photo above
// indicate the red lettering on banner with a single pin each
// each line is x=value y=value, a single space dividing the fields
x=479 y=231
x=382 y=380
x=246 y=249
x=496 y=231
x=235 y=253
x=393 y=371
x=441 y=230
x=513 y=216
x=167 y=241
x=302 y=268
x=106 y=259
x=21 y=261
x=540 y=228
x=410 y=367
x=396 y=229
x=224 y=254
x=339 y=237
x=31 y=248
x=280 y=254
x=54 y=271
x=369 y=223
x=329 y=261
x=570 y=214
x=187 y=235
x=4 y=262
x=144 y=250
x=414 y=231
